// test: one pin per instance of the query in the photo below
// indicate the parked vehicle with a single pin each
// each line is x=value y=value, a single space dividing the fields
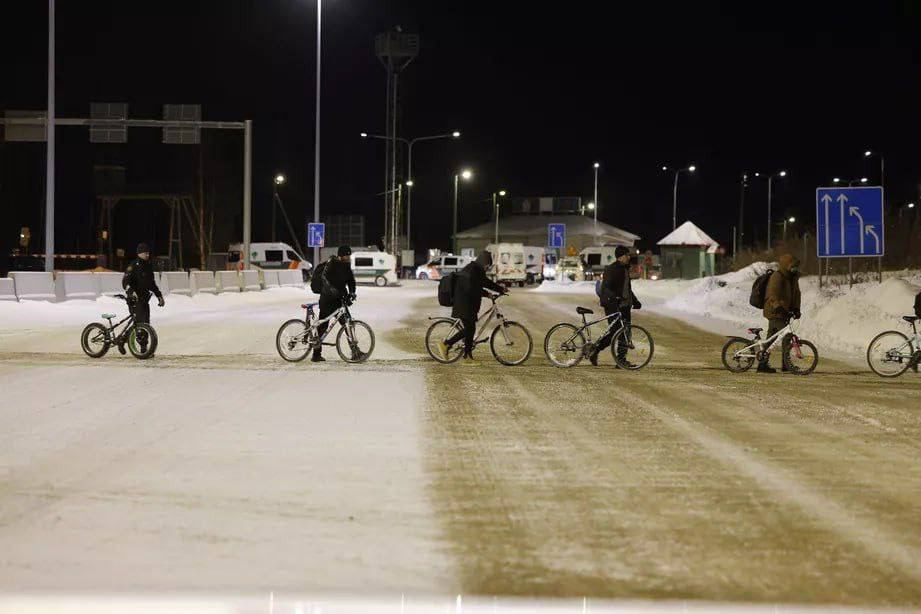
x=441 y=265
x=534 y=264
x=571 y=269
x=377 y=267
x=268 y=256
x=595 y=258
x=508 y=265
x=550 y=263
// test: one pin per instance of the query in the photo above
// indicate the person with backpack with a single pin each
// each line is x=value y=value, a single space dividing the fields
x=334 y=281
x=616 y=296
x=138 y=282
x=469 y=285
x=781 y=303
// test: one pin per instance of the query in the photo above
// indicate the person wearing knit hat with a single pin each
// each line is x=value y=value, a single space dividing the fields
x=138 y=282
x=616 y=297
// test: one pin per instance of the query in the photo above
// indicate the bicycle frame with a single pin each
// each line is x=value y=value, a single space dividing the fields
x=112 y=328
x=332 y=319
x=759 y=343
x=484 y=320
x=613 y=320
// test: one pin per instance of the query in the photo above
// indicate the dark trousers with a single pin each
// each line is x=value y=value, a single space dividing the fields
x=141 y=311
x=467 y=335
x=774 y=325
x=328 y=306
x=606 y=339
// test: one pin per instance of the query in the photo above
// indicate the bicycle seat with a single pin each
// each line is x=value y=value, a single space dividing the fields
x=308 y=305
x=582 y=311
x=911 y=319
x=755 y=331
x=108 y=316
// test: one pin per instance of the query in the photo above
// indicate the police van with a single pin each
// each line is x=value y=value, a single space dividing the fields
x=374 y=267
x=269 y=256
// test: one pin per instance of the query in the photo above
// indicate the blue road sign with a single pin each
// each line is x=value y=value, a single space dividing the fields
x=556 y=235
x=316 y=234
x=849 y=222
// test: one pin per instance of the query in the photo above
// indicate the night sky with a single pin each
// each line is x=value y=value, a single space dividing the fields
x=539 y=94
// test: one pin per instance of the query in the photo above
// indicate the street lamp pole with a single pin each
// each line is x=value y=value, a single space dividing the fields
x=597 y=166
x=790 y=220
x=770 y=198
x=495 y=204
x=49 y=151
x=741 y=232
x=466 y=174
x=678 y=171
x=316 y=155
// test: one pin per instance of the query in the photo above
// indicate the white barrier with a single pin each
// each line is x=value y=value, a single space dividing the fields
x=202 y=281
x=110 y=284
x=228 y=281
x=34 y=285
x=7 y=289
x=175 y=282
x=71 y=285
x=251 y=281
x=270 y=279
x=291 y=278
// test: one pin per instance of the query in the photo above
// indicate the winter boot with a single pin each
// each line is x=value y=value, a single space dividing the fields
x=317 y=356
x=765 y=366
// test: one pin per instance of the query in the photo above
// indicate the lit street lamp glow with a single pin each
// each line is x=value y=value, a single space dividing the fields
x=836 y=180
x=455 y=134
x=501 y=192
x=409 y=183
x=911 y=205
x=590 y=206
x=863 y=180
x=280 y=179
x=867 y=153
x=597 y=165
x=692 y=168
x=792 y=220
x=364 y=135
x=467 y=174
x=783 y=173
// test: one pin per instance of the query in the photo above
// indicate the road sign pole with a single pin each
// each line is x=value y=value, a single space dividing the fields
x=247 y=190
x=49 y=137
x=316 y=154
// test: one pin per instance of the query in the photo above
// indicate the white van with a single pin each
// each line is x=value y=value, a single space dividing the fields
x=508 y=265
x=440 y=265
x=534 y=259
x=595 y=258
x=377 y=267
x=550 y=265
x=270 y=256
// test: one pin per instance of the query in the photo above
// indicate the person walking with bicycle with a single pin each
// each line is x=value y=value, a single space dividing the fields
x=138 y=282
x=781 y=303
x=338 y=284
x=469 y=286
x=616 y=297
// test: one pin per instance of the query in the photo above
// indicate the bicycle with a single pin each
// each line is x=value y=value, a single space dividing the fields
x=800 y=357
x=97 y=338
x=354 y=342
x=566 y=344
x=510 y=342
x=892 y=353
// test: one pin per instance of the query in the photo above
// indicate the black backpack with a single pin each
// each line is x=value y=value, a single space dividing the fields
x=316 y=281
x=446 y=290
x=759 y=289
x=918 y=305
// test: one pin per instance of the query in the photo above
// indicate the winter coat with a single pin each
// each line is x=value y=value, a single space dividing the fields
x=617 y=289
x=468 y=291
x=139 y=278
x=918 y=305
x=338 y=279
x=782 y=296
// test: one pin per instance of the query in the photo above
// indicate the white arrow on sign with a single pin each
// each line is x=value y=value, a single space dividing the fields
x=871 y=230
x=856 y=213
x=842 y=201
x=827 y=199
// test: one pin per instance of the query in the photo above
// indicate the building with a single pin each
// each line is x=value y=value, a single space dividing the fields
x=532 y=230
x=344 y=229
x=688 y=253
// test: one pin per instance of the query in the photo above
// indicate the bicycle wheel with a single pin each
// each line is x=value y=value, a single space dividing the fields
x=355 y=342
x=511 y=343
x=95 y=340
x=801 y=357
x=735 y=357
x=889 y=354
x=632 y=348
x=442 y=330
x=142 y=340
x=291 y=341
x=564 y=345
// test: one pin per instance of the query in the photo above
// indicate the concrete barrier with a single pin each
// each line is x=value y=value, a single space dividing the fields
x=269 y=279
x=202 y=281
x=251 y=281
x=175 y=282
x=228 y=281
x=110 y=284
x=7 y=289
x=71 y=285
x=33 y=286
x=292 y=279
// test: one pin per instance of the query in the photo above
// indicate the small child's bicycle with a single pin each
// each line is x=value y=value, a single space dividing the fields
x=892 y=353
x=140 y=338
x=800 y=357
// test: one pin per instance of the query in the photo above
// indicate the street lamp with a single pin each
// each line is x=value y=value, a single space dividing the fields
x=863 y=180
x=678 y=171
x=409 y=164
x=791 y=220
x=465 y=174
x=836 y=180
x=279 y=179
x=770 y=199
x=495 y=204
x=596 y=166
x=882 y=165
x=590 y=206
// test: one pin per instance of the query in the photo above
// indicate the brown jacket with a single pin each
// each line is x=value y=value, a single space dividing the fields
x=782 y=296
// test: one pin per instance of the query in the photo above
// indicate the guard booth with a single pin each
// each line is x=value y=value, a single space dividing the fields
x=688 y=253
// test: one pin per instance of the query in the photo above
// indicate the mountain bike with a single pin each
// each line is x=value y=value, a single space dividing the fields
x=354 y=342
x=800 y=357
x=567 y=344
x=892 y=353
x=141 y=338
x=510 y=341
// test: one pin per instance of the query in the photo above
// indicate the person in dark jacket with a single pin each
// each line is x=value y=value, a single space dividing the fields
x=469 y=287
x=138 y=282
x=338 y=285
x=616 y=297
x=781 y=302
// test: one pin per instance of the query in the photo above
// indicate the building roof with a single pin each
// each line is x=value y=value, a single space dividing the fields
x=525 y=225
x=688 y=234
